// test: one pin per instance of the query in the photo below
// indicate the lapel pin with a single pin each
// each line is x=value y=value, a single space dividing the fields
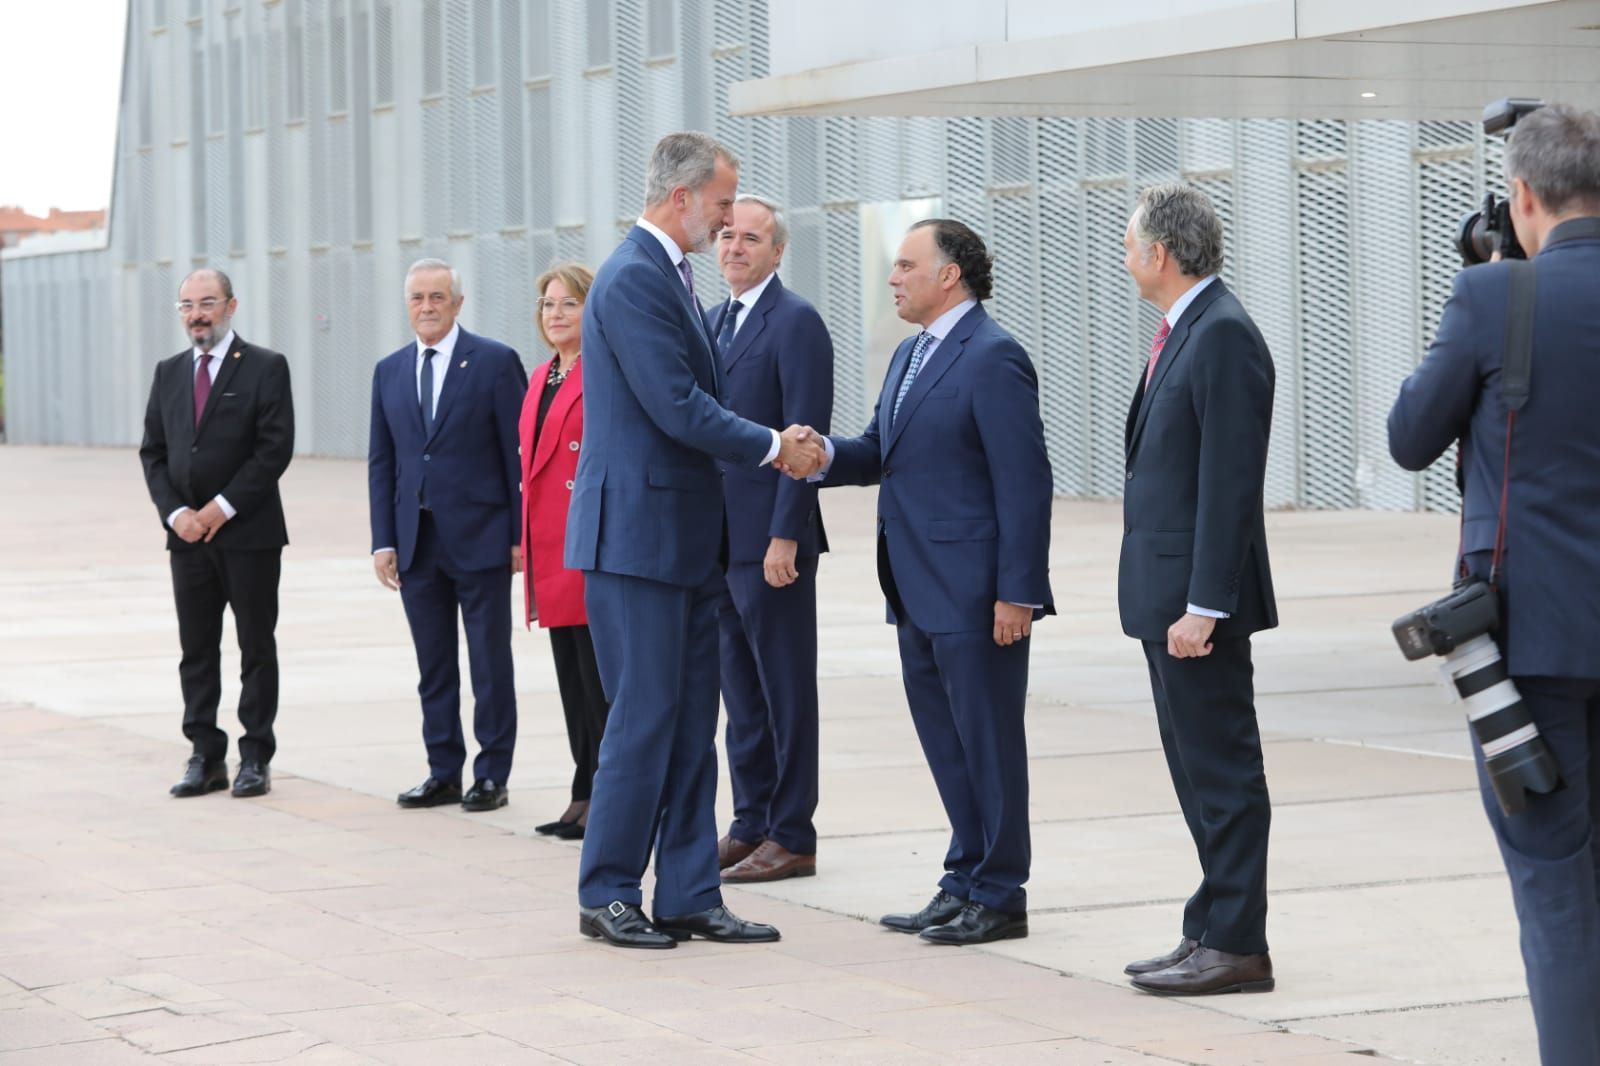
x=237 y=354
x=463 y=364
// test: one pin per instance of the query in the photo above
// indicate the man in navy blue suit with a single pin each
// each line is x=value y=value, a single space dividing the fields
x=778 y=360
x=1193 y=581
x=957 y=449
x=646 y=526
x=1549 y=584
x=443 y=482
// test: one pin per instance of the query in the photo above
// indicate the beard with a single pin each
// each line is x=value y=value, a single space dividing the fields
x=209 y=334
x=695 y=228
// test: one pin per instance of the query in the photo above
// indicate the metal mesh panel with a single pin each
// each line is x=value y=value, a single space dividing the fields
x=361 y=123
x=1109 y=333
x=383 y=51
x=541 y=185
x=316 y=98
x=647 y=100
x=841 y=307
x=1061 y=356
x=462 y=167
x=1322 y=195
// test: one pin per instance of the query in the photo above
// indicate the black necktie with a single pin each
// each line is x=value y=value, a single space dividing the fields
x=425 y=391
x=730 y=323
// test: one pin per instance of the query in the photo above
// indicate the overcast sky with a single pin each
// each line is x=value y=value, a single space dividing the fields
x=60 y=76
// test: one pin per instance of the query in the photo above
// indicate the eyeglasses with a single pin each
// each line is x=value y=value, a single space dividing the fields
x=208 y=305
x=569 y=305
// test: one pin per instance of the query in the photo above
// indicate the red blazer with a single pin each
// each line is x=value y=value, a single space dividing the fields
x=547 y=475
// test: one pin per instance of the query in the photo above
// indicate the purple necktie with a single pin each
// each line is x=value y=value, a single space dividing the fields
x=688 y=277
x=202 y=386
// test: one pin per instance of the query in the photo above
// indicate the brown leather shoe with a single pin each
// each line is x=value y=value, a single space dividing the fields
x=1209 y=972
x=771 y=862
x=731 y=850
x=1184 y=949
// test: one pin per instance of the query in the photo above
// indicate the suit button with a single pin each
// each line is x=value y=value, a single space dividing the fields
x=569 y=486
x=1126 y=530
x=429 y=458
x=194 y=447
x=572 y=445
x=888 y=471
x=1130 y=473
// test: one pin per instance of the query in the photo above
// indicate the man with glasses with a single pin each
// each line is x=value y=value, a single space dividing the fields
x=218 y=434
x=445 y=488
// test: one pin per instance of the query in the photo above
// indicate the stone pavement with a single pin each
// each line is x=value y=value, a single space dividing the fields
x=323 y=925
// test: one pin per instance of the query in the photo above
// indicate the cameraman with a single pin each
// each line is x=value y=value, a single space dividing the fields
x=1549 y=584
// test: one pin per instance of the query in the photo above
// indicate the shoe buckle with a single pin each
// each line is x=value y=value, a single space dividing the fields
x=617 y=908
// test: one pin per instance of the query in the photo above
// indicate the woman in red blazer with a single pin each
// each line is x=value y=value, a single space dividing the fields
x=551 y=432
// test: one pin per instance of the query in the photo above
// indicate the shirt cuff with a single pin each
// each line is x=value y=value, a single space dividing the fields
x=822 y=471
x=1029 y=606
x=777 y=446
x=227 y=508
x=1206 y=612
x=380 y=551
x=173 y=517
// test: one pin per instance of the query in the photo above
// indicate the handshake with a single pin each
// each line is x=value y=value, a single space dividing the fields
x=800 y=452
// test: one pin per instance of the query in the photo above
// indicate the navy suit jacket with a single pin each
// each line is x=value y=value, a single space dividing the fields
x=647 y=500
x=1194 y=530
x=468 y=466
x=1550 y=584
x=964 y=479
x=779 y=372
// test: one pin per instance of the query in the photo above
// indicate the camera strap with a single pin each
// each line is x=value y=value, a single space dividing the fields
x=1516 y=369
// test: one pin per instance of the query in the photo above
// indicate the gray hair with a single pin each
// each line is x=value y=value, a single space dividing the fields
x=1181 y=218
x=780 y=225
x=688 y=159
x=1556 y=150
x=437 y=264
x=223 y=281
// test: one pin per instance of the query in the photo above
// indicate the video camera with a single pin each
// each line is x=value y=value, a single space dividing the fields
x=1488 y=229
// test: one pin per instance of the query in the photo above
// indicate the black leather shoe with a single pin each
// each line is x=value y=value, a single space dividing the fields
x=431 y=793
x=940 y=909
x=200 y=777
x=1184 y=949
x=719 y=924
x=484 y=795
x=254 y=779
x=622 y=924
x=569 y=831
x=977 y=924
x=1209 y=972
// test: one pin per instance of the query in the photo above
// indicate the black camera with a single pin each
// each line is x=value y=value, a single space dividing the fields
x=1515 y=756
x=1488 y=229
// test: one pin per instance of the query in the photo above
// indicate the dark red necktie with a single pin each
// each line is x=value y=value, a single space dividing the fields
x=1155 y=351
x=202 y=386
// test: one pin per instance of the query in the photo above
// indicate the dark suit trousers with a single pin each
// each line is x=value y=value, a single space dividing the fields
x=967 y=696
x=433 y=590
x=657 y=649
x=769 y=687
x=1552 y=852
x=583 y=702
x=205 y=580
x=1205 y=708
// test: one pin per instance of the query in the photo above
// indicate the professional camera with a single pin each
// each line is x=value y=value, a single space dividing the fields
x=1488 y=229
x=1457 y=627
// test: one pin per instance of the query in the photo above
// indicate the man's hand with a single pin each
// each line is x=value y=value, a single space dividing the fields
x=387 y=565
x=212 y=517
x=1011 y=622
x=188 y=527
x=779 y=563
x=800 y=452
x=1190 y=636
x=516 y=559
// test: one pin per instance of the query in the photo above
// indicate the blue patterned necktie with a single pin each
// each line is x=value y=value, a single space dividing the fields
x=688 y=278
x=730 y=323
x=912 y=368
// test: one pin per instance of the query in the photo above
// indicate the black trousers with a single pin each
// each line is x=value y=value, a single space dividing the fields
x=583 y=701
x=1205 y=709
x=205 y=580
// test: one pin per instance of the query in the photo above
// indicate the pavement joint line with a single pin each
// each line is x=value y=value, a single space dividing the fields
x=1297 y=890
x=1410 y=1008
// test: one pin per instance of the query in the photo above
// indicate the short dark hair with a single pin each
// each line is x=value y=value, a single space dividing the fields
x=1556 y=150
x=960 y=245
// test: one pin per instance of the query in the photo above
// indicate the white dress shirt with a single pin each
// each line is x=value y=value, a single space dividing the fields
x=219 y=352
x=447 y=348
x=1173 y=316
x=675 y=254
x=748 y=300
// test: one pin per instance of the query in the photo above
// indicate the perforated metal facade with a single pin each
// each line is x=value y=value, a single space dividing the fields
x=313 y=148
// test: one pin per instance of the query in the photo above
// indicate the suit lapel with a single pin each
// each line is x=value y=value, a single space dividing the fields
x=1171 y=351
x=454 y=380
x=944 y=356
x=754 y=323
x=225 y=372
x=568 y=393
x=658 y=255
x=891 y=385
